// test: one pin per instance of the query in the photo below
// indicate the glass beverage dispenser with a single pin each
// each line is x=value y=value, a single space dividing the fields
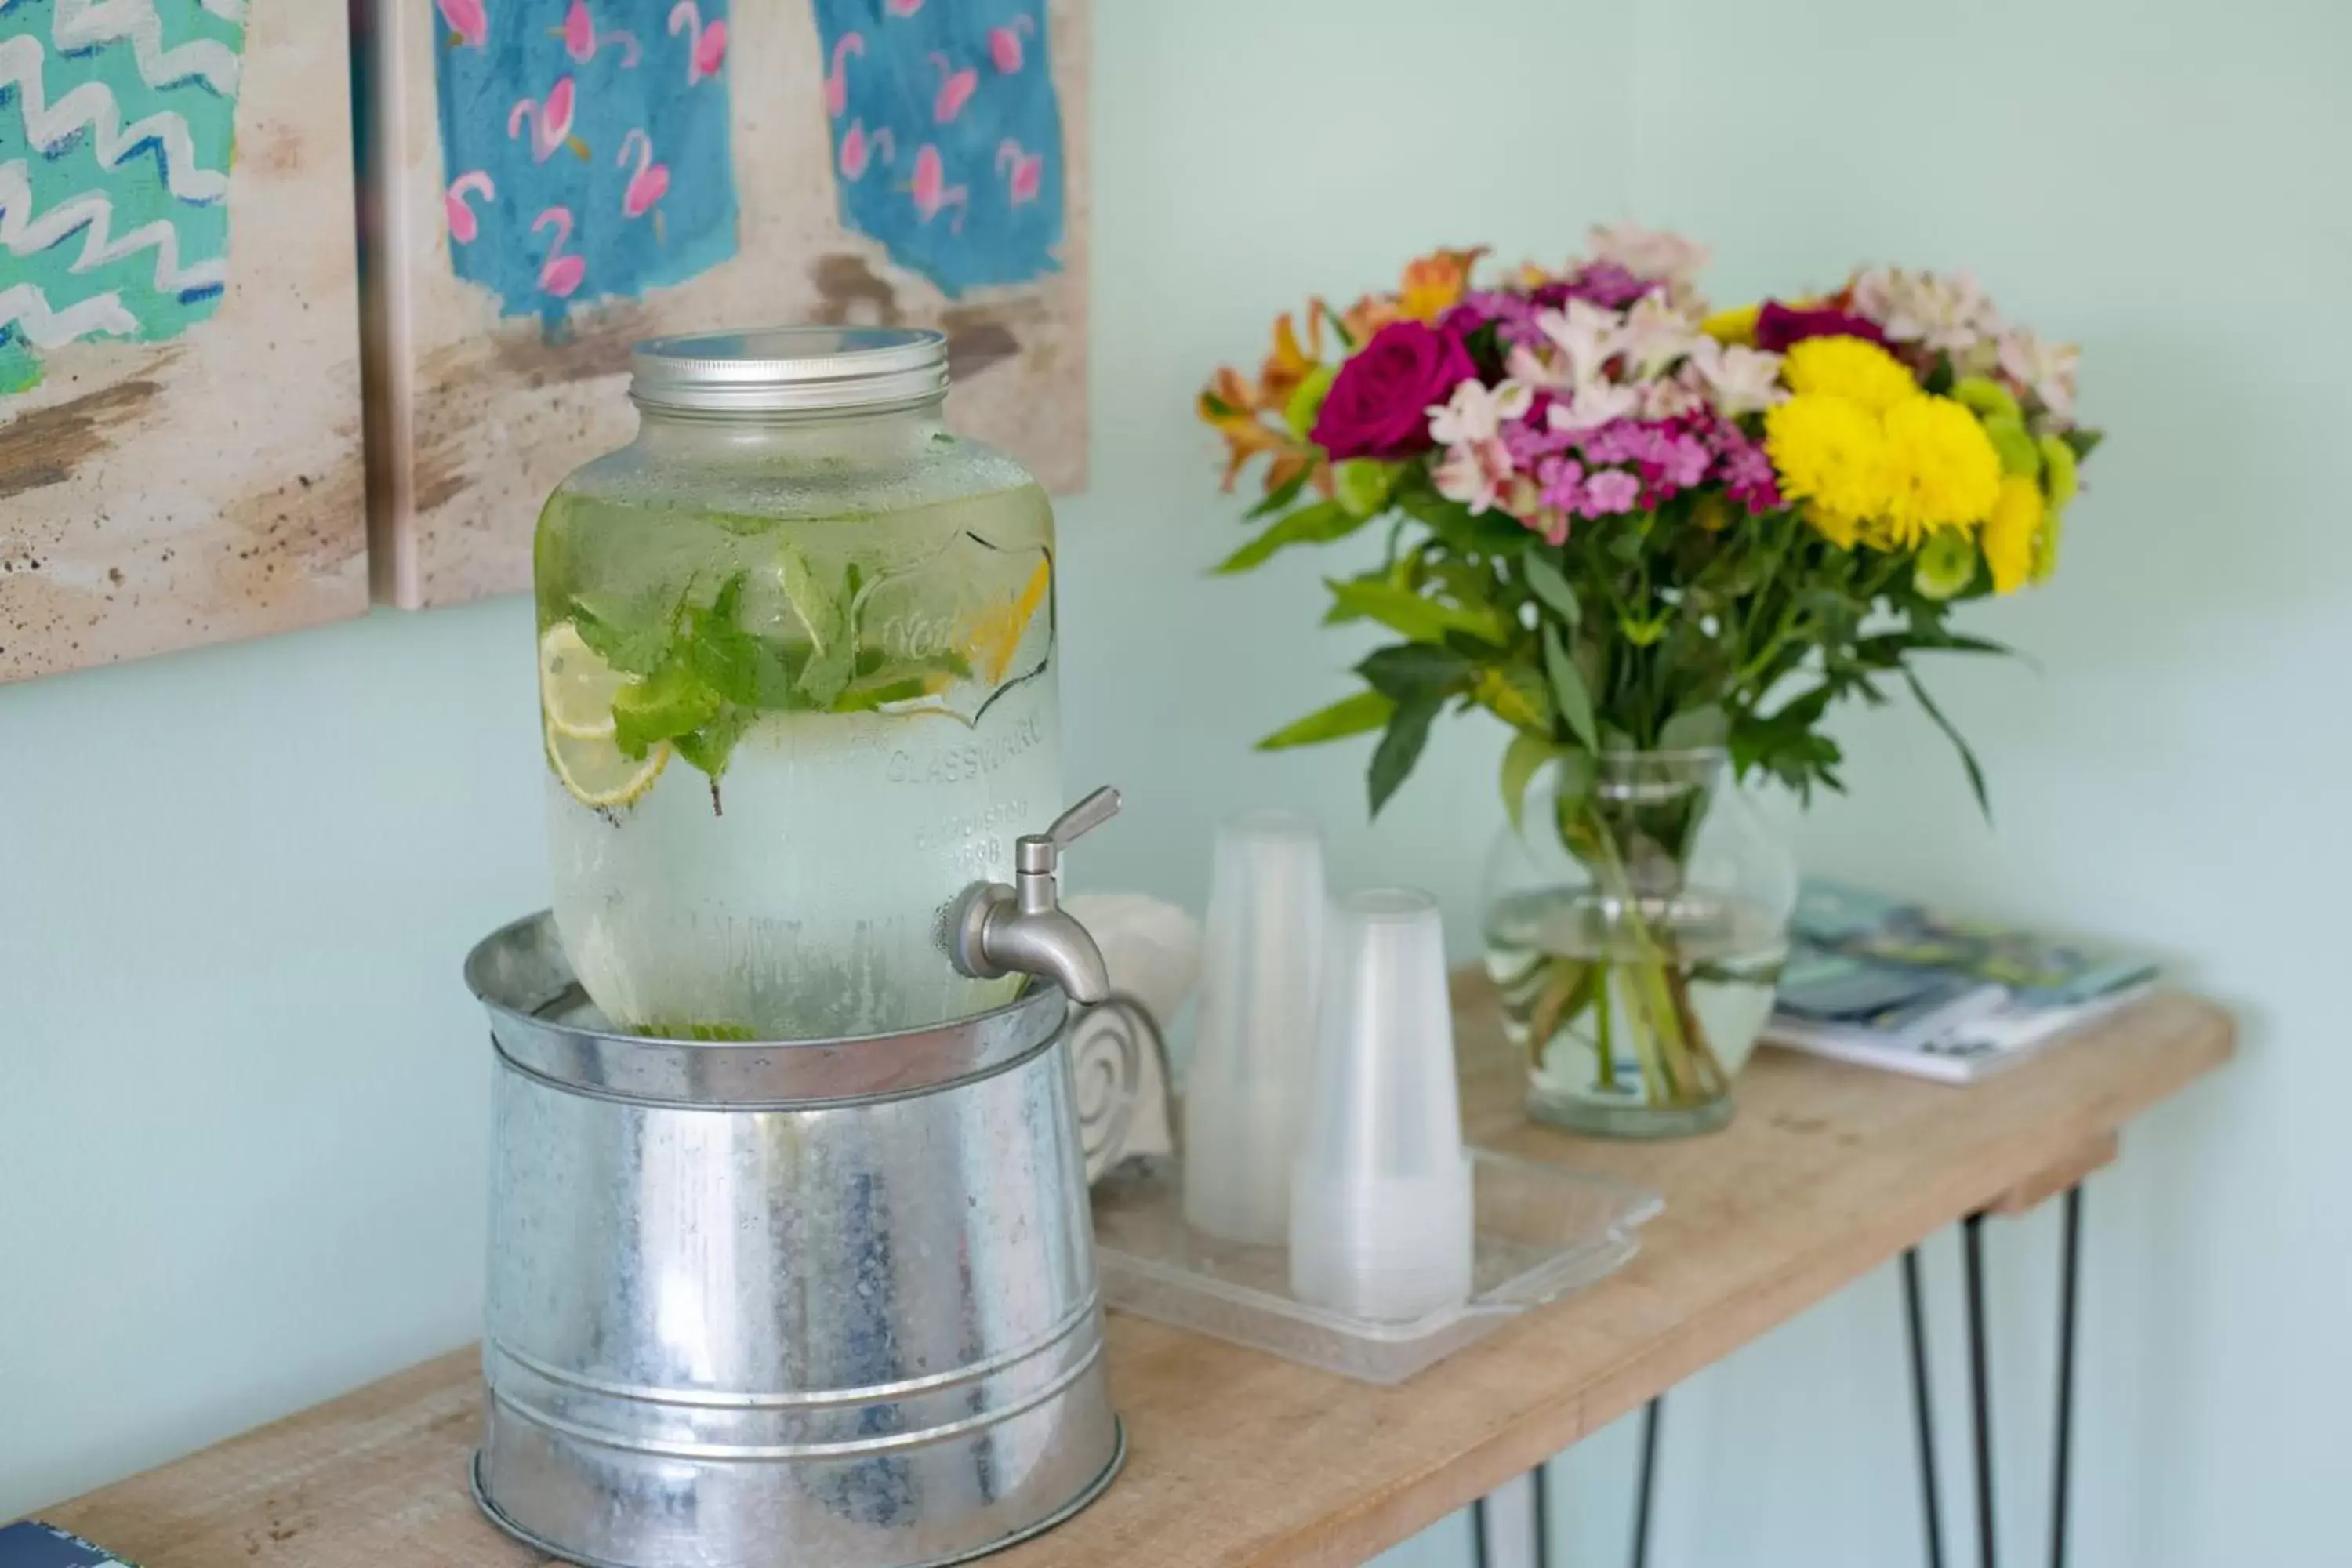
x=796 y=672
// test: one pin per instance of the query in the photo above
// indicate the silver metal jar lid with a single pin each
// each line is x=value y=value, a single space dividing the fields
x=790 y=370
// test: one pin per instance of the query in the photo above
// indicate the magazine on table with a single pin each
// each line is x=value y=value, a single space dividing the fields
x=1894 y=984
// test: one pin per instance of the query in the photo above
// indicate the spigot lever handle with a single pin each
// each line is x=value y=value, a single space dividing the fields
x=1036 y=852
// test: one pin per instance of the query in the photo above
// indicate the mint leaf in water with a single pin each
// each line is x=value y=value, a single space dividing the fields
x=670 y=702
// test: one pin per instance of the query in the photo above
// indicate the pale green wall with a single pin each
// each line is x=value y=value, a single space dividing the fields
x=241 y=1089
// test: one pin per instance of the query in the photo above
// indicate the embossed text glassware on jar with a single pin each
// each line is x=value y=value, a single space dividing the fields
x=796 y=681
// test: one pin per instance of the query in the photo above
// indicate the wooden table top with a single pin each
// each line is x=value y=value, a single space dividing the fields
x=1238 y=1458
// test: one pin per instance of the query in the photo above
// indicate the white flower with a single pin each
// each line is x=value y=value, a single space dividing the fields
x=1473 y=472
x=2046 y=370
x=1668 y=397
x=1529 y=368
x=1656 y=334
x=1649 y=253
x=1587 y=334
x=1476 y=412
x=1741 y=380
x=1595 y=404
x=1947 y=313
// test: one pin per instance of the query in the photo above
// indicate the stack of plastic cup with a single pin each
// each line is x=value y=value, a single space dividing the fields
x=1380 y=1194
x=1261 y=965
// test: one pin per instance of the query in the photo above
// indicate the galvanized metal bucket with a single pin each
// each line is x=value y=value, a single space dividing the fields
x=784 y=1305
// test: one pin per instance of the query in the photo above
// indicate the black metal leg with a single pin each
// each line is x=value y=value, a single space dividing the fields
x=1923 y=1409
x=1542 y=1481
x=1479 y=1557
x=1972 y=1257
x=2069 y=1245
x=1645 y=1483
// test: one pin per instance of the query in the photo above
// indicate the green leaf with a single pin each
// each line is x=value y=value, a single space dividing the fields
x=1456 y=526
x=1339 y=328
x=1317 y=524
x=670 y=702
x=1356 y=715
x=1407 y=613
x=630 y=638
x=709 y=747
x=827 y=673
x=1414 y=669
x=1545 y=581
x=1408 y=732
x=1967 y=757
x=1281 y=496
x=1364 y=485
x=2085 y=442
x=1569 y=692
x=1523 y=759
x=1696 y=728
x=1306 y=400
x=818 y=611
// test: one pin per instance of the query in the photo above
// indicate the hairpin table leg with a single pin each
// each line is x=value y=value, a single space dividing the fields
x=2069 y=1268
x=1923 y=1409
x=1646 y=1482
x=1980 y=1397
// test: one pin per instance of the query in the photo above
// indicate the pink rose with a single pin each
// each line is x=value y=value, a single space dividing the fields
x=1379 y=403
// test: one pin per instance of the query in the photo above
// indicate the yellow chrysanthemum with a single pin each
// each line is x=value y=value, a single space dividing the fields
x=1850 y=368
x=1831 y=453
x=1941 y=468
x=1836 y=527
x=2010 y=533
x=1733 y=328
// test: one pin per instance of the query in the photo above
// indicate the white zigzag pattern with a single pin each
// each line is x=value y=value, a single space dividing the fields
x=91 y=213
x=87 y=24
x=26 y=308
x=92 y=105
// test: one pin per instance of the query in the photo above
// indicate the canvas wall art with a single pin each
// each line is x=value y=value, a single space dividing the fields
x=549 y=181
x=180 y=425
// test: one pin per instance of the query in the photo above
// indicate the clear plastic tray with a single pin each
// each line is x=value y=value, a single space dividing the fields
x=1542 y=1232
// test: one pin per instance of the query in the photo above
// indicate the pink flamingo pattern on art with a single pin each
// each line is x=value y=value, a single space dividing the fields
x=859 y=150
x=1023 y=172
x=836 y=80
x=651 y=181
x=469 y=22
x=1005 y=44
x=559 y=274
x=582 y=40
x=931 y=192
x=551 y=121
x=956 y=88
x=464 y=227
x=974 y=194
x=707 y=46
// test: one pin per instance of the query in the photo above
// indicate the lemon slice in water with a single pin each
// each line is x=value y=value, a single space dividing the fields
x=576 y=685
x=596 y=771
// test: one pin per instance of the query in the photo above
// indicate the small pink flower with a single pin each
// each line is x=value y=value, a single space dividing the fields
x=1609 y=491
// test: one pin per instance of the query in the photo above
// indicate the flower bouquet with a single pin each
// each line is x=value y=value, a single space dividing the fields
x=1660 y=543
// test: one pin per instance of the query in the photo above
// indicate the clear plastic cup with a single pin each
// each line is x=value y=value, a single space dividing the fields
x=1261 y=967
x=1380 y=1193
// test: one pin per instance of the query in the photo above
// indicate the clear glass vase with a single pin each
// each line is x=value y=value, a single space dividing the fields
x=1636 y=922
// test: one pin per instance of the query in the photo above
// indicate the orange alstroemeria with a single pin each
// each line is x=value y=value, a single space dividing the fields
x=1435 y=283
x=1286 y=364
x=1368 y=315
x=1250 y=417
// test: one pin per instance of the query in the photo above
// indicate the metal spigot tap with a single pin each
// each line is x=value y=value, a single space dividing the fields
x=994 y=930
